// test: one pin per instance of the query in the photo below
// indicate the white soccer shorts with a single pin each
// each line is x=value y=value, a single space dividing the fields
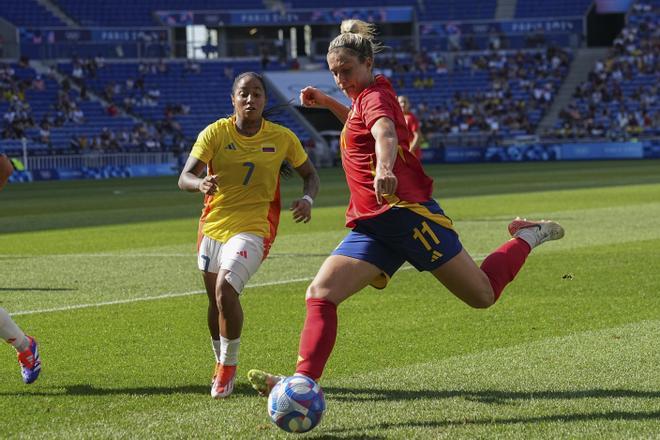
x=241 y=256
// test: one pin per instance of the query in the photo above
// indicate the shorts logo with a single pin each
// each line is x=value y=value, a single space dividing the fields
x=242 y=253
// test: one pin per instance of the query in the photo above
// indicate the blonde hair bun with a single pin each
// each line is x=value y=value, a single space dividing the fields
x=354 y=26
x=358 y=36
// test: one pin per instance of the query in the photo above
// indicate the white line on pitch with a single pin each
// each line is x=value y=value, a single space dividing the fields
x=169 y=295
x=146 y=298
x=103 y=255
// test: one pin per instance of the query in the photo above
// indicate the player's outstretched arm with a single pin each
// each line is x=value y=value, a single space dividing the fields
x=314 y=98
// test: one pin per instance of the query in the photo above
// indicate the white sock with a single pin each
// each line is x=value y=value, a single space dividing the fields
x=530 y=236
x=217 y=348
x=10 y=332
x=229 y=353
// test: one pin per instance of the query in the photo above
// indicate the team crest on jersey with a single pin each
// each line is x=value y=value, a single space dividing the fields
x=231 y=146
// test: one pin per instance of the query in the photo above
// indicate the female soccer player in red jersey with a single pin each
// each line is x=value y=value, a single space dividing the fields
x=415 y=135
x=242 y=155
x=391 y=212
x=6 y=169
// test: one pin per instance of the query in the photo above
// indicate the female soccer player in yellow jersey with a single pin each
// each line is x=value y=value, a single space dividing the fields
x=242 y=155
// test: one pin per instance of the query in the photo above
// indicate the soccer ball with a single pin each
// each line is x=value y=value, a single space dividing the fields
x=296 y=404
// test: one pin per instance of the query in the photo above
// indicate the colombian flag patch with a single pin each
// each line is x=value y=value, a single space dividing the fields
x=268 y=149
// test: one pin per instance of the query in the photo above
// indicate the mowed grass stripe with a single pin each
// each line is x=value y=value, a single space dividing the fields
x=105 y=281
x=586 y=384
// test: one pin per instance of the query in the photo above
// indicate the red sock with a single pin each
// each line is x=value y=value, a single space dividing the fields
x=504 y=263
x=317 y=338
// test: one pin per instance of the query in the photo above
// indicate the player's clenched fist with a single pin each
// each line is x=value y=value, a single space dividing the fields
x=311 y=97
x=208 y=185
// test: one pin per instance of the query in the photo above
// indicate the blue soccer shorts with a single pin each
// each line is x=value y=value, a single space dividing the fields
x=418 y=233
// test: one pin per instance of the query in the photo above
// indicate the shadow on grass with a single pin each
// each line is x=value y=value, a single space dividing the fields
x=91 y=390
x=485 y=396
x=613 y=415
x=353 y=436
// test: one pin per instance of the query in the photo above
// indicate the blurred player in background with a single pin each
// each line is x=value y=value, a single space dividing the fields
x=415 y=139
x=242 y=156
x=26 y=347
x=391 y=211
x=6 y=169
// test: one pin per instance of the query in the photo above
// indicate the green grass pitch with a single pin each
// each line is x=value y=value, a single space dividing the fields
x=104 y=274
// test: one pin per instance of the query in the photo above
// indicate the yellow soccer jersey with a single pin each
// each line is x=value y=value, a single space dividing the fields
x=247 y=169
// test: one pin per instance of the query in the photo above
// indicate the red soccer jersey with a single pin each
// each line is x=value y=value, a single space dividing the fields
x=358 y=151
x=413 y=125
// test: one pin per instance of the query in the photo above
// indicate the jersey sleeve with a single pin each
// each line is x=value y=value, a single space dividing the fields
x=296 y=154
x=206 y=143
x=375 y=105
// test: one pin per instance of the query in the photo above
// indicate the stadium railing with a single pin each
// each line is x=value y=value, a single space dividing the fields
x=98 y=160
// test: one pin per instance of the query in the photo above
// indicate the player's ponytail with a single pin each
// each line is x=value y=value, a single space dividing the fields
x=358 y=36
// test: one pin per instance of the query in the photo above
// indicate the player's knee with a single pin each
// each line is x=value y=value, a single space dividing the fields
x=317 y=291
x=225 y=294
x=482 y=301
x=482 y=297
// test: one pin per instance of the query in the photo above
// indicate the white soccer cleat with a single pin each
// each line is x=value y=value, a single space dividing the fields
x=223 y=381
x=535 y=232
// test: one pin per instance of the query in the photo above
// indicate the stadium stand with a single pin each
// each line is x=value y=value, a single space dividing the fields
x=485 y=86
x=620 y=98
x=51 y=114
x=555 y=8
x=28 y=13
x=178 y=97
x=492 y=92
x=130 y=13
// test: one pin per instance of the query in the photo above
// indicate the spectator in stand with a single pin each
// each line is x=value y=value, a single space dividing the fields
x=191 y=67
x=112 y=110
x=162 y=67
x=229 y=72
x=77 y=74
x=78 y=143
x=38 y=84
x=44 y=132
x=77 y=115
